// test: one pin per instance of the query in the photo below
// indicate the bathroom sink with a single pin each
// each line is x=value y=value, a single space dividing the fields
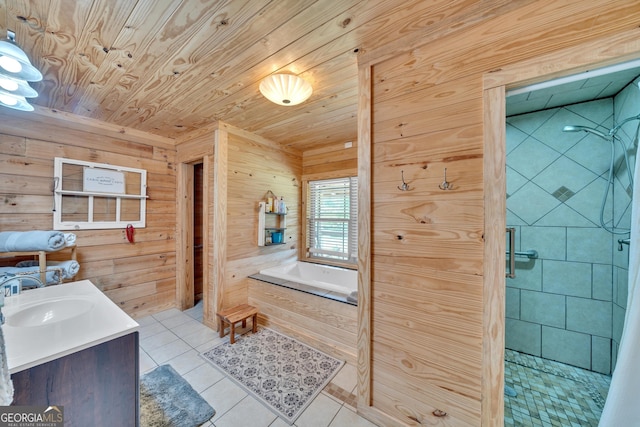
x=47 y=323
x=48 y=312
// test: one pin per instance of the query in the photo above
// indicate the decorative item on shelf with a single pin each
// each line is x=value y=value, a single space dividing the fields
x=281 y=208
x=446 y=185
x=96 y=183
x=404 y=186
x=276 y=237
x=15 y=72
x=270 y=199
x=285 y=89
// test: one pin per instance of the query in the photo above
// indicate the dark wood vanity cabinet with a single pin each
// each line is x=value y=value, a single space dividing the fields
x=97 y=386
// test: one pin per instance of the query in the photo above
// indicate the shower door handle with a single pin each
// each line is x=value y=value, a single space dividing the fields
x=512 y=255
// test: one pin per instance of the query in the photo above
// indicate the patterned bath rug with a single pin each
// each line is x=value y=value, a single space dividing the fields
x=281 y=372
x=168 y=400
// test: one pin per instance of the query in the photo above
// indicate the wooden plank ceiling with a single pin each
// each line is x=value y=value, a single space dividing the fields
x=171 y=67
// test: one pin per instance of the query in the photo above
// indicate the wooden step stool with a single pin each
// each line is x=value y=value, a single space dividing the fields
x=234 y=315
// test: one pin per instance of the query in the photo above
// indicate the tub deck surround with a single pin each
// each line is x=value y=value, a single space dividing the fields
x=321 y=275
x=327 y=324
x=45 y=324
x=336 y=283
x=313 y=290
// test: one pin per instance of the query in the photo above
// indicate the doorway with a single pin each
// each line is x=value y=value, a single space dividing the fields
x=192 y=239
x=209 y=153
x=496 y=150
x=198 y=232
x=562 y=306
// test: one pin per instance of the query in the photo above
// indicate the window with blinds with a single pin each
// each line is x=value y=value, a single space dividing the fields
x=332 y=219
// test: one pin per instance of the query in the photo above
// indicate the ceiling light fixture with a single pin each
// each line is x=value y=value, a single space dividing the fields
x=15 y=72
x=285 y=89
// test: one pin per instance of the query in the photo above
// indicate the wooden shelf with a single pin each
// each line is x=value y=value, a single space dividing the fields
x=42 y=259
x=94 y=194
x=265 y=232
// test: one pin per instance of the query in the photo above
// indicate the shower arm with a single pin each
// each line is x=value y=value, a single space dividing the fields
x=612 y=138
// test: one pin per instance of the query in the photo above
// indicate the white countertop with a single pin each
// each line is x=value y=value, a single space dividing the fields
x=83 y=317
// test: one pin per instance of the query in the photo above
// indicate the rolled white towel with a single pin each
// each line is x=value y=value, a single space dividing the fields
x=68 y=268
x=69 y=239
x=35 y=240
x=52 y=276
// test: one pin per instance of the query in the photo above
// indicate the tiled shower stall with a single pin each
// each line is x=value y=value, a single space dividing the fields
x=568 y=305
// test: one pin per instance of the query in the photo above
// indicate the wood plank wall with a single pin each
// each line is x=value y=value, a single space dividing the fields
x=335 y=160
x=255 y=166
x=139 y=277
x=424 y=348
x=328 y=325
x=331 y=161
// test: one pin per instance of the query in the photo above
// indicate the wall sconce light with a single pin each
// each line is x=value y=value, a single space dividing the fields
x=15 y=72
x=285 y=89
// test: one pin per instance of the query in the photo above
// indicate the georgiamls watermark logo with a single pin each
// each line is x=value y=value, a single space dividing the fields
x=31 y=416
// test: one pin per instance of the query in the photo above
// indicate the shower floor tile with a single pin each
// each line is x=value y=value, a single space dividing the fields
x=551 y=393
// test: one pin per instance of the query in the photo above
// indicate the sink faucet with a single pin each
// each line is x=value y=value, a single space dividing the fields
x=12 y=284
x=22 y=282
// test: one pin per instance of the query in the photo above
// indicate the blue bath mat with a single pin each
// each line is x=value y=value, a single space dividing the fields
x=168 y=400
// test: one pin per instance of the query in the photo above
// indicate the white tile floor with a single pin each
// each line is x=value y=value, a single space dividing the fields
x=178 y=338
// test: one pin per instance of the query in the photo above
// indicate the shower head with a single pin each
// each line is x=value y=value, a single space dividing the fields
x=576 y=128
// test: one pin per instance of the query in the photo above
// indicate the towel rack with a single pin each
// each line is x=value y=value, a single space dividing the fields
x=512 y=253
x=531 y=253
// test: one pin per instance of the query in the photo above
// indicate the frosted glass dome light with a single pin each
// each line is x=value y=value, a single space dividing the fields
x=8 y=84
x=7 y=100
x=285 y=89
x=10 y=64
x=16 y=87
x=15 y=73
x=14 y=63
x=15 y=102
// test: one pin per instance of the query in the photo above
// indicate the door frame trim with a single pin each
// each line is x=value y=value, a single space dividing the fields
x=211 y=150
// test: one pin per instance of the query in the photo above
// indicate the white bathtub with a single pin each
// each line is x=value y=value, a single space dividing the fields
x=334 y=279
